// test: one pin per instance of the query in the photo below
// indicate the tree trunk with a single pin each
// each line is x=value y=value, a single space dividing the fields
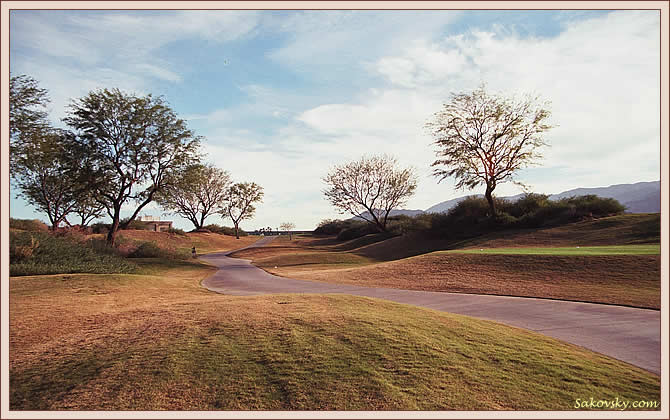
x=111 y=235
x=237 y=231
x=381 y=227
x=197 y=225
x=492 y=204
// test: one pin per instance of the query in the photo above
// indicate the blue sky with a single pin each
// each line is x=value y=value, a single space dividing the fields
x=281 y=96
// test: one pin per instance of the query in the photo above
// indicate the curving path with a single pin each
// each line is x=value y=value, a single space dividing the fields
x=628 y=334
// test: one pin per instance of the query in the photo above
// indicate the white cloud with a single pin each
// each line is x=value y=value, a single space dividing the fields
x=72 y=53
x=159 y=72
x=601 y=75
x=344 y=41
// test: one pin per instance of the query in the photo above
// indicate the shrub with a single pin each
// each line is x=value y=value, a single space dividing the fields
x=528 y=204
x=332 y=227
x=28 y=225
x=356 y=230
x=469 y=211
x=74 y=233
x=223 y=230
x=505 y=220
x=136 y=224
x=18 y=253
x=149 y=250
x=594 y=206
x=100 y=227
x=35 y=253
x=101 y=246
x=176 y=231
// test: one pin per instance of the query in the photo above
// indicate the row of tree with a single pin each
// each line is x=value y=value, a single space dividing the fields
x=481 y=139
x=119 y=150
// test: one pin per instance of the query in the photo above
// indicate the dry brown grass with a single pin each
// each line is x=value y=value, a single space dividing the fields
x=161 y=342
x=621 y=279
x=632 y=280
x=203 y=241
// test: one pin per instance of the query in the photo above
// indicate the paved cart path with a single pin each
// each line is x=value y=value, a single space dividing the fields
x=628 y=334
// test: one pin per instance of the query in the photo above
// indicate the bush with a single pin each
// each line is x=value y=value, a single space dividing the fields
x=149 y=250
x=357 y=230
x=176 y=231
x=35 y=253
x=469 y=211
x=223 y=230
x=100 y=227
x=470 y=217
x=528 y=204
x=136 y=224
x=594 y=206
x=18 y=253
x=333 y=227
x=29 y=225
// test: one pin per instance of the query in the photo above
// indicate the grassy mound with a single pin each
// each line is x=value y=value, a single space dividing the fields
x=181 y=244
x=160 y=342
x=610 y=260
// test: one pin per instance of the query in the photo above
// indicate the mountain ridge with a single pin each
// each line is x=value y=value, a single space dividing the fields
x=638 y=197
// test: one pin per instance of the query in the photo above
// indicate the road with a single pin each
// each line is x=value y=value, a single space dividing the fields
x=628 y=334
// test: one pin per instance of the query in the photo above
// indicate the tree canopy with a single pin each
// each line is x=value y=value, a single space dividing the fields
x=486 y=139
x=370 y=188
x=239 y=202
x=27 y=113
x=196 y=193
x=46 y=177
x=134 y=144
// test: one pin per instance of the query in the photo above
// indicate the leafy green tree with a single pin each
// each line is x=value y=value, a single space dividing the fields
x=239 y=202
x=44 y=174
x=27 y=114
x=486 y=139
x=134 y=146
x=87 y=208
x=370 y=188
x=196 y=193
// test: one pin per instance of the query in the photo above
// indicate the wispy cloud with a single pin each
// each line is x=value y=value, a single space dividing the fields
x=312 y=89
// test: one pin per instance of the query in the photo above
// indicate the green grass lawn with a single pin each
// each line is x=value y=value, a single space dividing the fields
x=158 y=341
x=648 y=249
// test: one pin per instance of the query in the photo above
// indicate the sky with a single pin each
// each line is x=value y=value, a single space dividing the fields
x=281 y=96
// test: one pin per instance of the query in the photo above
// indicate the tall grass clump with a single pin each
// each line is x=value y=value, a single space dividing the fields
x=35 y=253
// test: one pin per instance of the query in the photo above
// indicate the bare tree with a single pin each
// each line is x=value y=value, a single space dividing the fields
x=239 y=203
x=196 y=193
x=486 y=139
x=287 y=227
x=370 y=188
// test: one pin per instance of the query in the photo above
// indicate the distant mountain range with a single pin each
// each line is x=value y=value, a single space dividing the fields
x=641 y=197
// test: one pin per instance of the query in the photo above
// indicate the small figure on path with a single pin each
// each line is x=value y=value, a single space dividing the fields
x=193 y=251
